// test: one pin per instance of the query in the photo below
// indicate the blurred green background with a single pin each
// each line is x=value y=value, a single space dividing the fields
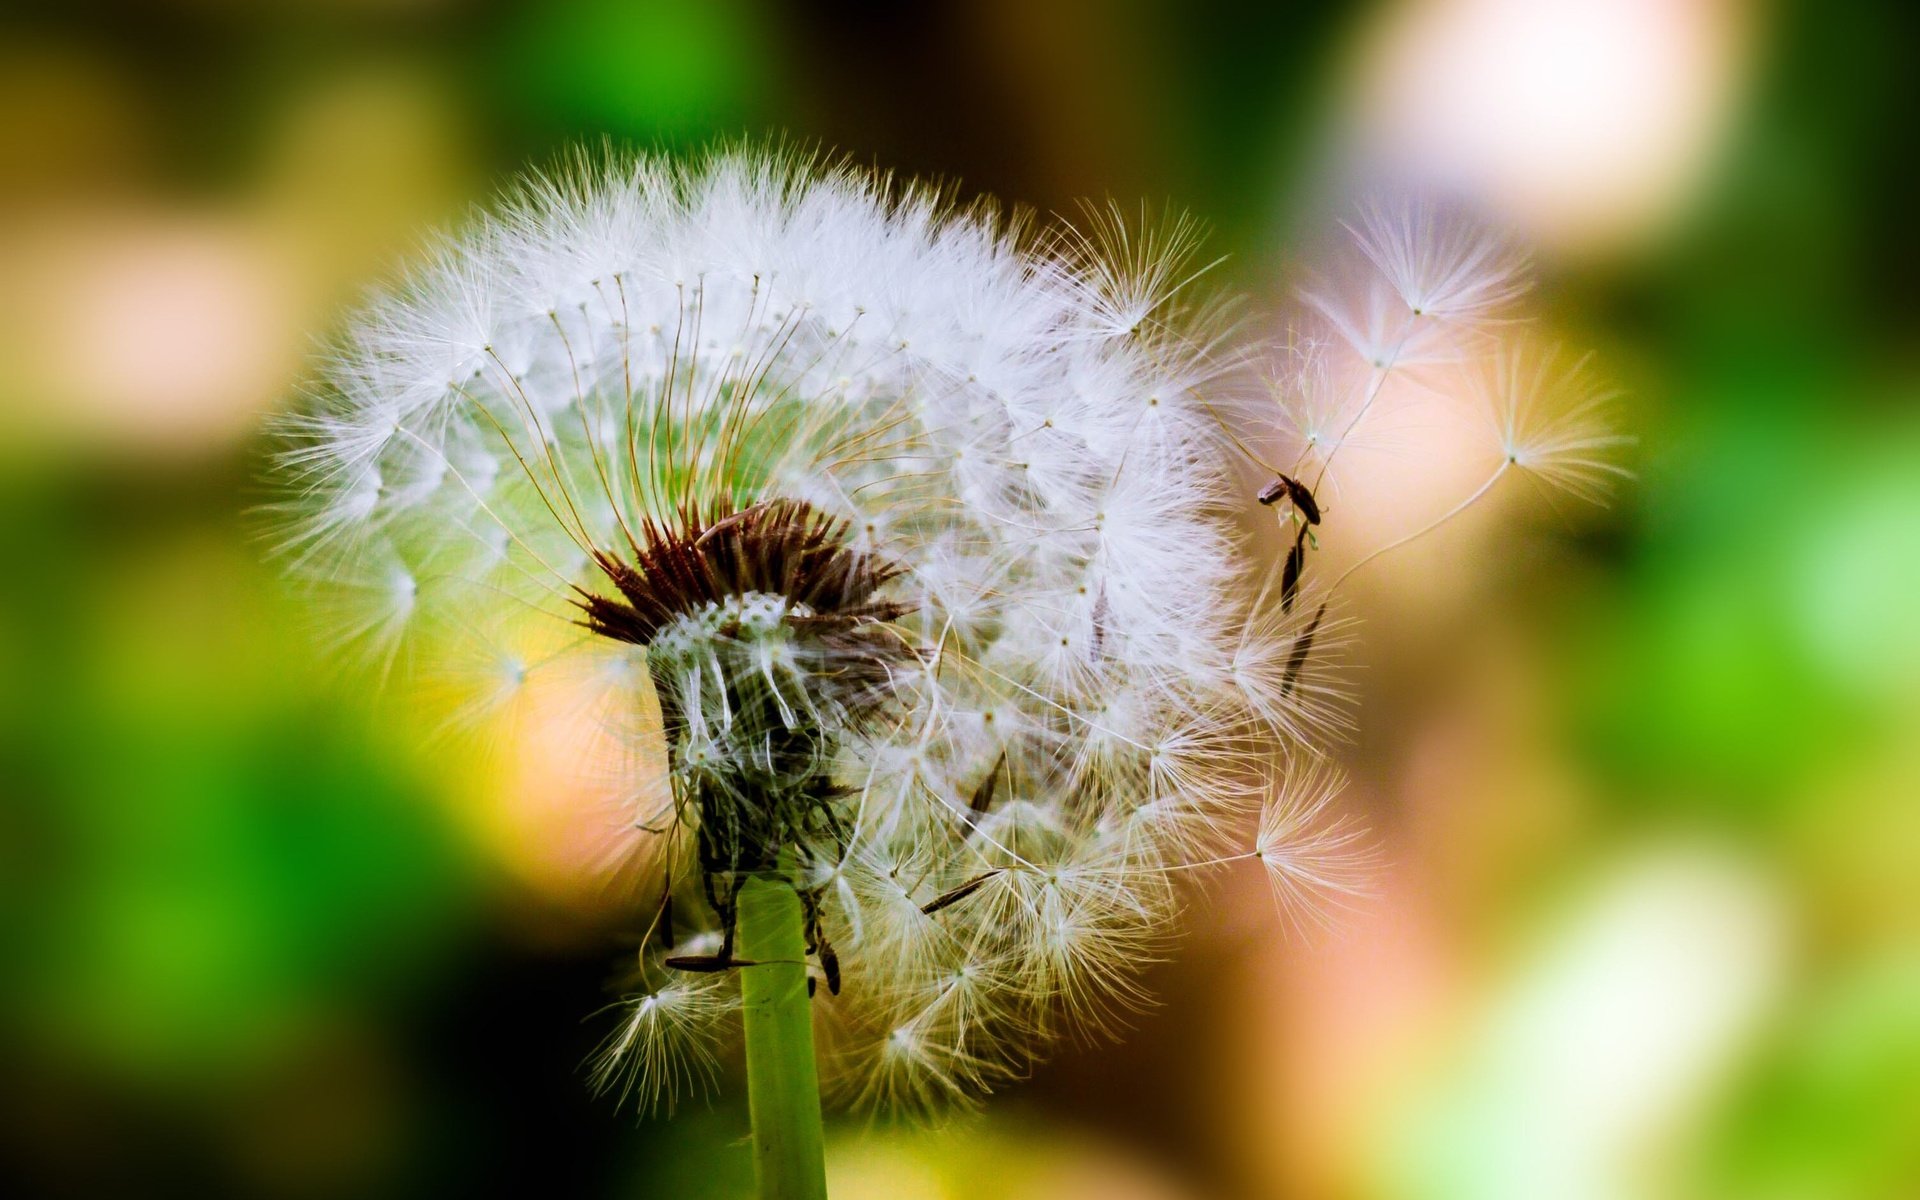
x=1646 y=785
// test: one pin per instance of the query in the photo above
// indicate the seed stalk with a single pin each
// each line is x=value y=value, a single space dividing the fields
x=783 y=1085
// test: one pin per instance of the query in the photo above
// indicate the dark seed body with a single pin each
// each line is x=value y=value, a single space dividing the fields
x=706 y=964
x=956 y=895
x=830 y=967
x=1290 y=574
x=1302 y=649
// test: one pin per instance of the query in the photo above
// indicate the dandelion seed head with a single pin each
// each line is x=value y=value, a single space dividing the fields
x=908 y=521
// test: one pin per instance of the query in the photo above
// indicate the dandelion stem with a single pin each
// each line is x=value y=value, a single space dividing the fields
x=783 y=1087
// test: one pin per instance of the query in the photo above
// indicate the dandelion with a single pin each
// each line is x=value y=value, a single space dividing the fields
x=897 y=540
x=913 y=528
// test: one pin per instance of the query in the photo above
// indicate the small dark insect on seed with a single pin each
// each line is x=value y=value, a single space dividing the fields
x=706 y=964
x=956 y=895
x=1301 y=649
x=1298 y=493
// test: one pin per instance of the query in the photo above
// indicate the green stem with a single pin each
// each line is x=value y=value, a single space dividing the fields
x=783 y=1086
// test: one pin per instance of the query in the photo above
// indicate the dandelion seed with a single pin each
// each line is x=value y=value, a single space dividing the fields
x=662 y=1047
x=1439 y=264
x=1549 y=414
x=1312 y=858
x=1373 y=321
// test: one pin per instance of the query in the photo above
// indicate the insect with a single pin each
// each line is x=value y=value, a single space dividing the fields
x=1298 y=494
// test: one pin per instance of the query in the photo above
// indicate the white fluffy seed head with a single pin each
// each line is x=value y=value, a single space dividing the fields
x=1063 y=690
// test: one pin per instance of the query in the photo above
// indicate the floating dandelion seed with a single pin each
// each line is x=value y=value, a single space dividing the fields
x=1550 y=416
x=916 y=529
x=1439 y=264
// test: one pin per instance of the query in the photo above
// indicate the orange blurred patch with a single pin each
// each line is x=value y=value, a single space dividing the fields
x=151 y=332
